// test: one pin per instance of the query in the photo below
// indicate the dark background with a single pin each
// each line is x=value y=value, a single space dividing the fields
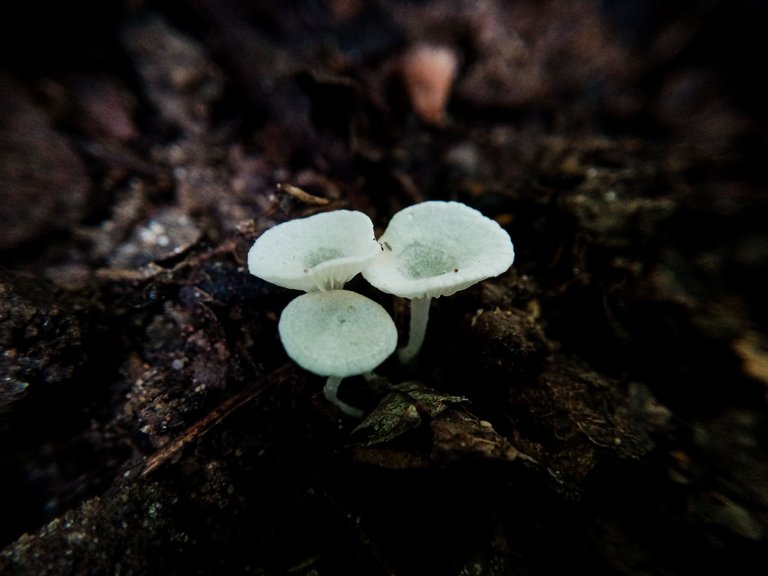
x=598 y=409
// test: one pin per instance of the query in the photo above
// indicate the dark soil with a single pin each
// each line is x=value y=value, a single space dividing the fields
x=598 y=409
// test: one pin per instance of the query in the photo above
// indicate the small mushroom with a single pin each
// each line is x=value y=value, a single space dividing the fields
x=337 y=333
x=320 y=252
x=435 y=249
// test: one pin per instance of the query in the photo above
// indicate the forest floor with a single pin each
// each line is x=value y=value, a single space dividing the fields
x=600 y=408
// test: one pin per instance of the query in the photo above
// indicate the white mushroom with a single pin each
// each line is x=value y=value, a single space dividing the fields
x=435 y=249
x=320 y=252
x=337 y=333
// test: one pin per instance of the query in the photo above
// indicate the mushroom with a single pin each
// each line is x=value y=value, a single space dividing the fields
x=320 y=252
x=435 y=249
x=337 y=333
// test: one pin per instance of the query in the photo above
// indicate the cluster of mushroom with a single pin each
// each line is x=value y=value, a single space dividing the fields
x=428 y=250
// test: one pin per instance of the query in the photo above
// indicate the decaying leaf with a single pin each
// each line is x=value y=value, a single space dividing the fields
x=402 y=410
x=457 y=433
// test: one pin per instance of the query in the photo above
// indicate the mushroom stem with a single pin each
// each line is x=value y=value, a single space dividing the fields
x=418 y=329
x=331 y=390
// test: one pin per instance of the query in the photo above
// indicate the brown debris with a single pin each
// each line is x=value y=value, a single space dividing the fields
x=458 y=435
x=44 y=187
x=178 y=75
x=580 y=417
x=103 y=531
x=302 y=196
x=506 y=341
x=105 y=109
x=41 y=339
x=752 y=348
x=168 y=233
x=428 y=74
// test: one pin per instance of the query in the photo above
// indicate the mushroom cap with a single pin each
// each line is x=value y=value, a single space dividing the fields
x=320 y=252
x=337 y=333
x=438 y=248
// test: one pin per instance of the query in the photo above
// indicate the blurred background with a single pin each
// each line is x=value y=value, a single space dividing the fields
x=614 y=419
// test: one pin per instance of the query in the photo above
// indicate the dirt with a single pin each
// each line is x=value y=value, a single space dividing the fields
x=600 y=408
